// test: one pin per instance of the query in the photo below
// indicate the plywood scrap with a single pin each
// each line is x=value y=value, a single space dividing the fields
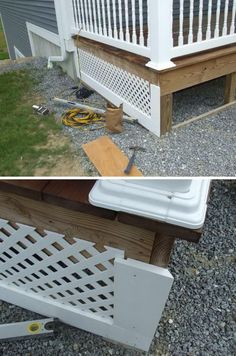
x=108 y=158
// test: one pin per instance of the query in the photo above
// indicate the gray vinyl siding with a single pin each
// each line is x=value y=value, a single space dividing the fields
x=15 y=14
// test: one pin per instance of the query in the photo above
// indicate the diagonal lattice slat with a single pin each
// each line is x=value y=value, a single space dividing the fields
x=70 y=271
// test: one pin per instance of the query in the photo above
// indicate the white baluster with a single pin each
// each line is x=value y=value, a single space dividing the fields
x=181 y=23
x=127 y=34
x=148 y=27
x=141 y=35
x=83 y=14
x=95 y=17
x=217 y=27
x=199 y=34
x=85 y=7
x=99 y=8
x=191 y=15
x=109 y=18
x=104 y=19
x=232 y=27
x=75 y=14
x=121 y=32
x=225 y=28
x=114 y=19
x=90 y=16
x=133 y=12
x=208 y=33
x=80 y=12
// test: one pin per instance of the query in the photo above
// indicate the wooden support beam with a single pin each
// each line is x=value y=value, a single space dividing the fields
x=136 y=242
x=166 y=113
x=161 y=228
x=230 y=88
x=28 y=188
x=197 y=69
x=162 y=249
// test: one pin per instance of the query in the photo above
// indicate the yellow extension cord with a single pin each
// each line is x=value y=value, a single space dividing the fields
x=86 y=117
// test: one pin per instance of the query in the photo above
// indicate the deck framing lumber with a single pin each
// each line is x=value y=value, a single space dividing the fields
x=166 y=113
x=188 y=71
x=162 y=249
x=135 y=241
x=230 y=88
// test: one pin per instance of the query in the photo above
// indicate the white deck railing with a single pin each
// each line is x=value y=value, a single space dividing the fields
x=158 y=29
x=206 y=27
x=118 y=23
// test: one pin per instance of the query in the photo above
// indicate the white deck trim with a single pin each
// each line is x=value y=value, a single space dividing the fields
x=41 y=32
x=18 y=53
x=8 y=48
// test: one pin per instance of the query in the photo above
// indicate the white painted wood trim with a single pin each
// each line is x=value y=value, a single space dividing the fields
x=141 y=291
x=126 y=46
x=41 y=32
x=202 y=46
x=160 y=23
x=8 y=48
x=154 y=125
x=18 y=53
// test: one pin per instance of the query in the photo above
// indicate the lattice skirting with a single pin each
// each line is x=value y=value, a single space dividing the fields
x=92 y=288
x=140 y=99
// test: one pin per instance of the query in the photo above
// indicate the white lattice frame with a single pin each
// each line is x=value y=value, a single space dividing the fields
x=135 y=292
x=148 y=111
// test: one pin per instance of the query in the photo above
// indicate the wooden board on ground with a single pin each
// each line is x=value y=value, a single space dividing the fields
x=108 y=158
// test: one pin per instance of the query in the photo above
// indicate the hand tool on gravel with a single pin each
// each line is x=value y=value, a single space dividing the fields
x=132 y=159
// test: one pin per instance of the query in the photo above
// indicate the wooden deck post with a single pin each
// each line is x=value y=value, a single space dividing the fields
x=162 y=249
x=166 y=113
x=230 y=88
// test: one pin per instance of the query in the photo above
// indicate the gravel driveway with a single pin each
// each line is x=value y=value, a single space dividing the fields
x=200 y=316
x=203 y=148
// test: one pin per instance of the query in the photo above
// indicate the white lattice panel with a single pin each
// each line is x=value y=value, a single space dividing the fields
x=128 y=87
x=69 y=271
x=75 y=281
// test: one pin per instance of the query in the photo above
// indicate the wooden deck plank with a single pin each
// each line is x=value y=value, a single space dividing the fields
x=28 y=188
x=73 y=194
x=108 y=158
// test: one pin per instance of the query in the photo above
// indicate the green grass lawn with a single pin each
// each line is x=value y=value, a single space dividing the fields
x=24 y=135
x=3 y=44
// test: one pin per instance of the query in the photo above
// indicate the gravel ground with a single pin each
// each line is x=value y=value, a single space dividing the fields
x=200 y=315
x=209 y=95
x=204 y=148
